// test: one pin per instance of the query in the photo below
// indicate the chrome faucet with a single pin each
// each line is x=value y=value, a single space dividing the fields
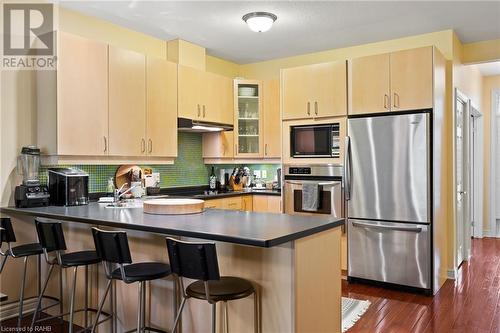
x=118 y=194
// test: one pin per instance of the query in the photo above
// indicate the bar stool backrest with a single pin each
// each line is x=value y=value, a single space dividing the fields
x=50 y=236
x=193 y=260
x=112 y=246
x=6 y=232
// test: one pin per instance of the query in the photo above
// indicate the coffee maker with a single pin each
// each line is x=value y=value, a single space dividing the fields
x=30 y=193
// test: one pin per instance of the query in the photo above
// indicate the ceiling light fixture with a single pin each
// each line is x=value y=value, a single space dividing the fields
x=259 y=21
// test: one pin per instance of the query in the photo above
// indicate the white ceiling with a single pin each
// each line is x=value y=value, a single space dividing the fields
x=302 y=26
x=489 y=68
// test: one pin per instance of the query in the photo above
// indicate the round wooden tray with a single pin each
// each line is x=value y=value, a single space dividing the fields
x=173 y=206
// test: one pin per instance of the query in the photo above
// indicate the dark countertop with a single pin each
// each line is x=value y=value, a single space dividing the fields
x=246 y=228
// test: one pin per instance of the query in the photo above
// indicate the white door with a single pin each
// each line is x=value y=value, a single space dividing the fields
x=460 y=113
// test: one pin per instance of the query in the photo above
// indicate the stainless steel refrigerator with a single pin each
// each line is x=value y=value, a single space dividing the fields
x=389 y=199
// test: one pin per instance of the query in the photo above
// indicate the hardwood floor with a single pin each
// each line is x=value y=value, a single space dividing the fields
x=469 y=304
x=52 y=325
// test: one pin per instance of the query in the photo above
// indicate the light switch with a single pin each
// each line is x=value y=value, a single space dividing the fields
x=264 y=173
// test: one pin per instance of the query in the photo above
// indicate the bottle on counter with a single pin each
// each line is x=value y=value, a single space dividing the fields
x=212 y=180
x=110 y=189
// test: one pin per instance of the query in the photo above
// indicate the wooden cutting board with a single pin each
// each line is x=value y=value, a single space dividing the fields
x=173 y=206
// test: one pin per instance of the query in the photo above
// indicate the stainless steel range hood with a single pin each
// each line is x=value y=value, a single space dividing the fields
x=198 y=126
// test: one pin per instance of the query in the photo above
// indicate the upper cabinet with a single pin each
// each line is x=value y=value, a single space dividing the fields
x=248 y=138
x=397 y=81
x=411 y=79
x=82 y=97
x=315 y=91
x=127 y=102
x=161 y=107
x=204 y=96
x=370 y=84
x=272 y=119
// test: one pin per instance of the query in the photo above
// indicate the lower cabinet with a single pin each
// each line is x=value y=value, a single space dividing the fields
x=248 y=203
x=267 y=203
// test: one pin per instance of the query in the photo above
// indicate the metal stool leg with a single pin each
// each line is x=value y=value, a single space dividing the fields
x=226 y=317
x=21 y=298
x=214 y=315
x=40 y=296
x=256 y=313
x=86 y=306
x=61 y=303
x=179 y=314
x=112 y=305
x=139 y=308
x=101 y=304
x=72 y=304
x=2 y=265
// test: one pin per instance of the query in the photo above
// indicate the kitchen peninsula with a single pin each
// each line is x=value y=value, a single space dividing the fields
x=276 y=251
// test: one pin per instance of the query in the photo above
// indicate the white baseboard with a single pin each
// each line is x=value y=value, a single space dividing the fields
x=490 y=233
x=451 y=274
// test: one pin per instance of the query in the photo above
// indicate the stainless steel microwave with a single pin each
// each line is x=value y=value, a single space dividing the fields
x=315 y=140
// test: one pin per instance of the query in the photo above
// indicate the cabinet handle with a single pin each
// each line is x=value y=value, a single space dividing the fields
x=316 y=107
x=386 y=101
x=308 y=108
x=265 y=149
x=203 y=110
x=150 y=145
x=199 y=112
x=105 y=144
x=396 y=100
x=143 y=145
x=235 y=149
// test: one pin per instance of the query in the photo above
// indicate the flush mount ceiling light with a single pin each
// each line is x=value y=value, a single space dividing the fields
x=259 y=21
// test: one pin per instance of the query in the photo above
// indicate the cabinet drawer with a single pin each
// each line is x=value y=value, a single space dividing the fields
x=233 y=203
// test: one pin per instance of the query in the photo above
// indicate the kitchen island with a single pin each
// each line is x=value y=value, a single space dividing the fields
x=293 y=260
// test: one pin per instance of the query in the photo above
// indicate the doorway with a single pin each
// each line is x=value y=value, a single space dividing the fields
x=461 y=144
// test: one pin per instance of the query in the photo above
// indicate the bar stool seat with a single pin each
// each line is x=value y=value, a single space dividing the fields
x=143 y=271
x=226 y=289
x=80 y=258
x=25 y=250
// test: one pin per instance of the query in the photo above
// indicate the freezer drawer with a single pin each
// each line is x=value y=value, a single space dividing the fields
x=389 y=252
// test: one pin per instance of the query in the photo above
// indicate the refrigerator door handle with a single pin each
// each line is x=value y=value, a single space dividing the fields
x=347 y=168
x=384 y=227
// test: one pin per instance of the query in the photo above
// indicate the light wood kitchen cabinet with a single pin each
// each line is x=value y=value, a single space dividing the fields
x=248 y=127
x=82 y=98
x=161 y=106
x=215 y=203
x=247 y=203
x=267 y=203
x=397 y=81
x=233 y=203
x=189 y=93
x=315 y=91
x=204 y=96
x=218 y=145
x=127 y=102
x=272 y=119
x=411 y=79
x=370 y=84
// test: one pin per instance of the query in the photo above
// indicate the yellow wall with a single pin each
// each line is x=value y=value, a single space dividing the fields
x=489 y=83
x=271 y=69
x=484 y=51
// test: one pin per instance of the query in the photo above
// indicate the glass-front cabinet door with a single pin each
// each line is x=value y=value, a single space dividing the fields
x=248 y=118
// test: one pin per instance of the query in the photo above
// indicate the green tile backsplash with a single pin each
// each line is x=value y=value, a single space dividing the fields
x=188 y=169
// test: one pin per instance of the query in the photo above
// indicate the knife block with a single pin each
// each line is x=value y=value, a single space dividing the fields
x=234 y=186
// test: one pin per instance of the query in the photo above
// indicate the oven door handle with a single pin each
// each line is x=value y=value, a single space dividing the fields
x=319 y=184
x=385 y=227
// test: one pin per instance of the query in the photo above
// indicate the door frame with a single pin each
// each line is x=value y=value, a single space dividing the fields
x=464 y=98
x=494 y=113
x=477 y=120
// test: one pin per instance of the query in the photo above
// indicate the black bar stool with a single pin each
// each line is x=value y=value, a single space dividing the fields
x=199 y=261
x=24 y=251
x=51 y=237
x=112 y=247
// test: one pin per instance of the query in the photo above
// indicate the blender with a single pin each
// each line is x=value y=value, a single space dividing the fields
x=30 y=193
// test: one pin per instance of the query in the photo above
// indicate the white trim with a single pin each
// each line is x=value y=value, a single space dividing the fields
x=452 y=274
x=478 y=171
x=495 y=97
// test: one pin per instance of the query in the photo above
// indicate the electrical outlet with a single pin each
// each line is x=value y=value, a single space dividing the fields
x=256 y=174
x=264 y=173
